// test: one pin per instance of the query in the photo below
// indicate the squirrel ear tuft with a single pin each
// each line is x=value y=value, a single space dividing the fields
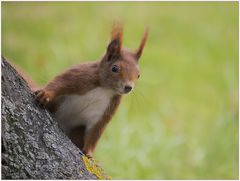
x=139 y=51
x=115 y=44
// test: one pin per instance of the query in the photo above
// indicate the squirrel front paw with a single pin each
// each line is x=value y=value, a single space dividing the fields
x=43 y=97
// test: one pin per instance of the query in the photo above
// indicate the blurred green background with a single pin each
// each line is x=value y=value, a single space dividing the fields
x=181 y=122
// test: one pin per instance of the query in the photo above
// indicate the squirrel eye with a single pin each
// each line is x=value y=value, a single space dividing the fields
x=138 y=76
x=115 y=68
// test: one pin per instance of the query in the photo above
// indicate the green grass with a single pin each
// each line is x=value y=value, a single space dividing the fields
x=182 y=120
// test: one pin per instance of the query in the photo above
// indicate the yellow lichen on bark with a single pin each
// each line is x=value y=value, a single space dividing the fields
x=95 y=169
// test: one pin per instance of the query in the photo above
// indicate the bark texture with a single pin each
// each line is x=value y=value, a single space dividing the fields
x=33 y=146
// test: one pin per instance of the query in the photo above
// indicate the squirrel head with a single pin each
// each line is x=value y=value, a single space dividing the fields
x=119 y=68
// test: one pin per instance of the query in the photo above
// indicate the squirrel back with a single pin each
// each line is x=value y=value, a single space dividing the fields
x=31 y=84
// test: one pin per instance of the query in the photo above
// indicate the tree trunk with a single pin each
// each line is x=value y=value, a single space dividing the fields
x=33 y=146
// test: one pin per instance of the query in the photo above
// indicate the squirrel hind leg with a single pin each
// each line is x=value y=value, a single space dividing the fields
x=77 y=136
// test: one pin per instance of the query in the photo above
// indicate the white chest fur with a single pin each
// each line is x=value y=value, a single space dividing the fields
x=87 y=109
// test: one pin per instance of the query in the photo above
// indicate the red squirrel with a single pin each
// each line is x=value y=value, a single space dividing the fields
x=84 y=98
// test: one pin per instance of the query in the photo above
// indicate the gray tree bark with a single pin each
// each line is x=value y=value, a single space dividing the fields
x=33 y=146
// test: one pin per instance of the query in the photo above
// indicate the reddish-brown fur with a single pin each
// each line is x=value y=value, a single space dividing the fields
x=84 y=77
x=94 y=134
x=32 y=85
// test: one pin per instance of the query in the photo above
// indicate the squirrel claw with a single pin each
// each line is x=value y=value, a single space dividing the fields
x=37 y=92
x=89 y=155
x=43 y=97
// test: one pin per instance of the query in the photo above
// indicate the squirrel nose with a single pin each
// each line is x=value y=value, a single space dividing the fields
x=127 y=88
